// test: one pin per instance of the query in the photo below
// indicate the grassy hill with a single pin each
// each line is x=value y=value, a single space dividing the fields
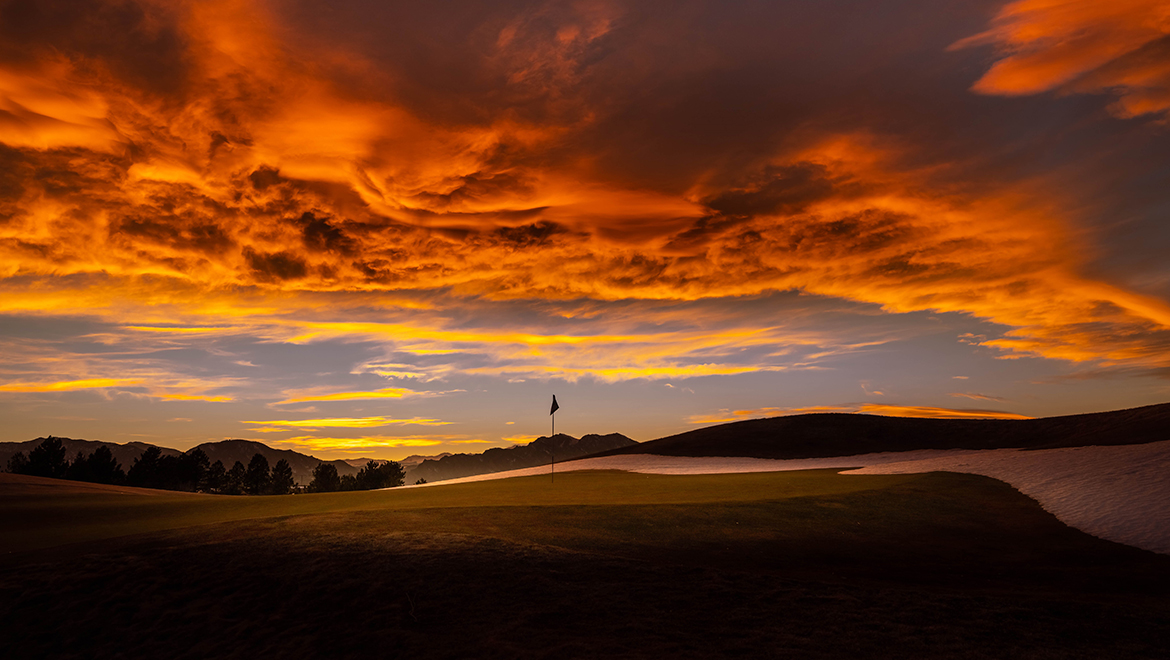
x=841 y=434
x=601 y=564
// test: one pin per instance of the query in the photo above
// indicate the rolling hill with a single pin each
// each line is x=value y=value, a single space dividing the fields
x=821 y=435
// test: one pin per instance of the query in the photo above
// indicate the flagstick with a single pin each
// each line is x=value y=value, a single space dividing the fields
x=552 y=460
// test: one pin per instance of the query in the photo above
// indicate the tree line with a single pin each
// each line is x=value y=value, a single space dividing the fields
x=193 y=471
x=370 y=477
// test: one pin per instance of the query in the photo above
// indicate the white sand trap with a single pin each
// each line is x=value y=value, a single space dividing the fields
x=653 y=464
x=1119 y=493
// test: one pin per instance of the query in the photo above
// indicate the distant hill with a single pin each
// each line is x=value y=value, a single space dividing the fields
x=822 y=435
x=230 y=451
x=411 y=462
x=124 y=453
x=563 y=448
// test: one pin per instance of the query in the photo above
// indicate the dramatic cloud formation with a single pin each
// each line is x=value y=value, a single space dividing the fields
x=1082 y=46
x=424 y=203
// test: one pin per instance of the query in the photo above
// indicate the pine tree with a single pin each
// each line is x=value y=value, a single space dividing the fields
x=282 y=478
x=258 y=477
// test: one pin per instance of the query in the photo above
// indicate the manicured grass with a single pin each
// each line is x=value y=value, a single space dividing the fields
x=40 y=513
x=600 y=564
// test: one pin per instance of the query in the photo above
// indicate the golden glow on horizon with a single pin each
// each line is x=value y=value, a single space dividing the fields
x=518 y=439
x=330 y=446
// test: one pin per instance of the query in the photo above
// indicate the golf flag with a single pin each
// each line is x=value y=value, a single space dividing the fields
x=555 y=407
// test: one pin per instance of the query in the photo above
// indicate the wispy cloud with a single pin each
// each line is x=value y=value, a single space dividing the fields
x=69 y=385
x=976 y=396
x=347 y=422
x=304 y=396
x=937 y=413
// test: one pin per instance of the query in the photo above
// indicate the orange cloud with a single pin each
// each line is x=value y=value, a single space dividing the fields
x=936 y=413
x=303 y=396
x=69 y=385
x=196 y=397
x=1081 y=46
x=271 y=189
x=348 y=422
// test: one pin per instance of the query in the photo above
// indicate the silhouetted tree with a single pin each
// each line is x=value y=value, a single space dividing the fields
x=195 y=467
x=147 y=469
x=325 y=479
x=282 y=478
x=104 y=468
x=258 y=477
x=99 y=467
x=234 y=479
x=47 y=459
x=386 y=475
x=420 y=482
x=18 y=463
x=78 y=470
x=348 y=482
x=216 y=478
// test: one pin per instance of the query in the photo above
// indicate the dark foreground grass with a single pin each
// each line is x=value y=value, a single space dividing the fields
x=606 y=565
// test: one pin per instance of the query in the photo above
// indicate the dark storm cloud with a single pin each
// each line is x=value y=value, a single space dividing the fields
x=275 y=266
x=321 y=236
x=140 y=42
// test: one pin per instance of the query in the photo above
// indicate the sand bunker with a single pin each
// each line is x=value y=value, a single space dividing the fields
x=653 y=464
x=1120 y=493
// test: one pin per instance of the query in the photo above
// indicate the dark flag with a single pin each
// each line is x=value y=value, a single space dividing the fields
x=555 y=407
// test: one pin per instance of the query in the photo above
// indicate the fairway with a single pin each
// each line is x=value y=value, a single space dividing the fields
x=41 y=513
x=597 y=564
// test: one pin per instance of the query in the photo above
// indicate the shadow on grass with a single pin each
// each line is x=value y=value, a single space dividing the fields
x=938 y=565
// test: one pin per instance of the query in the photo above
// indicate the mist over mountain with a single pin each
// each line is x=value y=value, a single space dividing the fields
x=540 y=451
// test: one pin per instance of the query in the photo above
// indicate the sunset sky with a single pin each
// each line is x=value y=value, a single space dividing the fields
x=367 y=228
